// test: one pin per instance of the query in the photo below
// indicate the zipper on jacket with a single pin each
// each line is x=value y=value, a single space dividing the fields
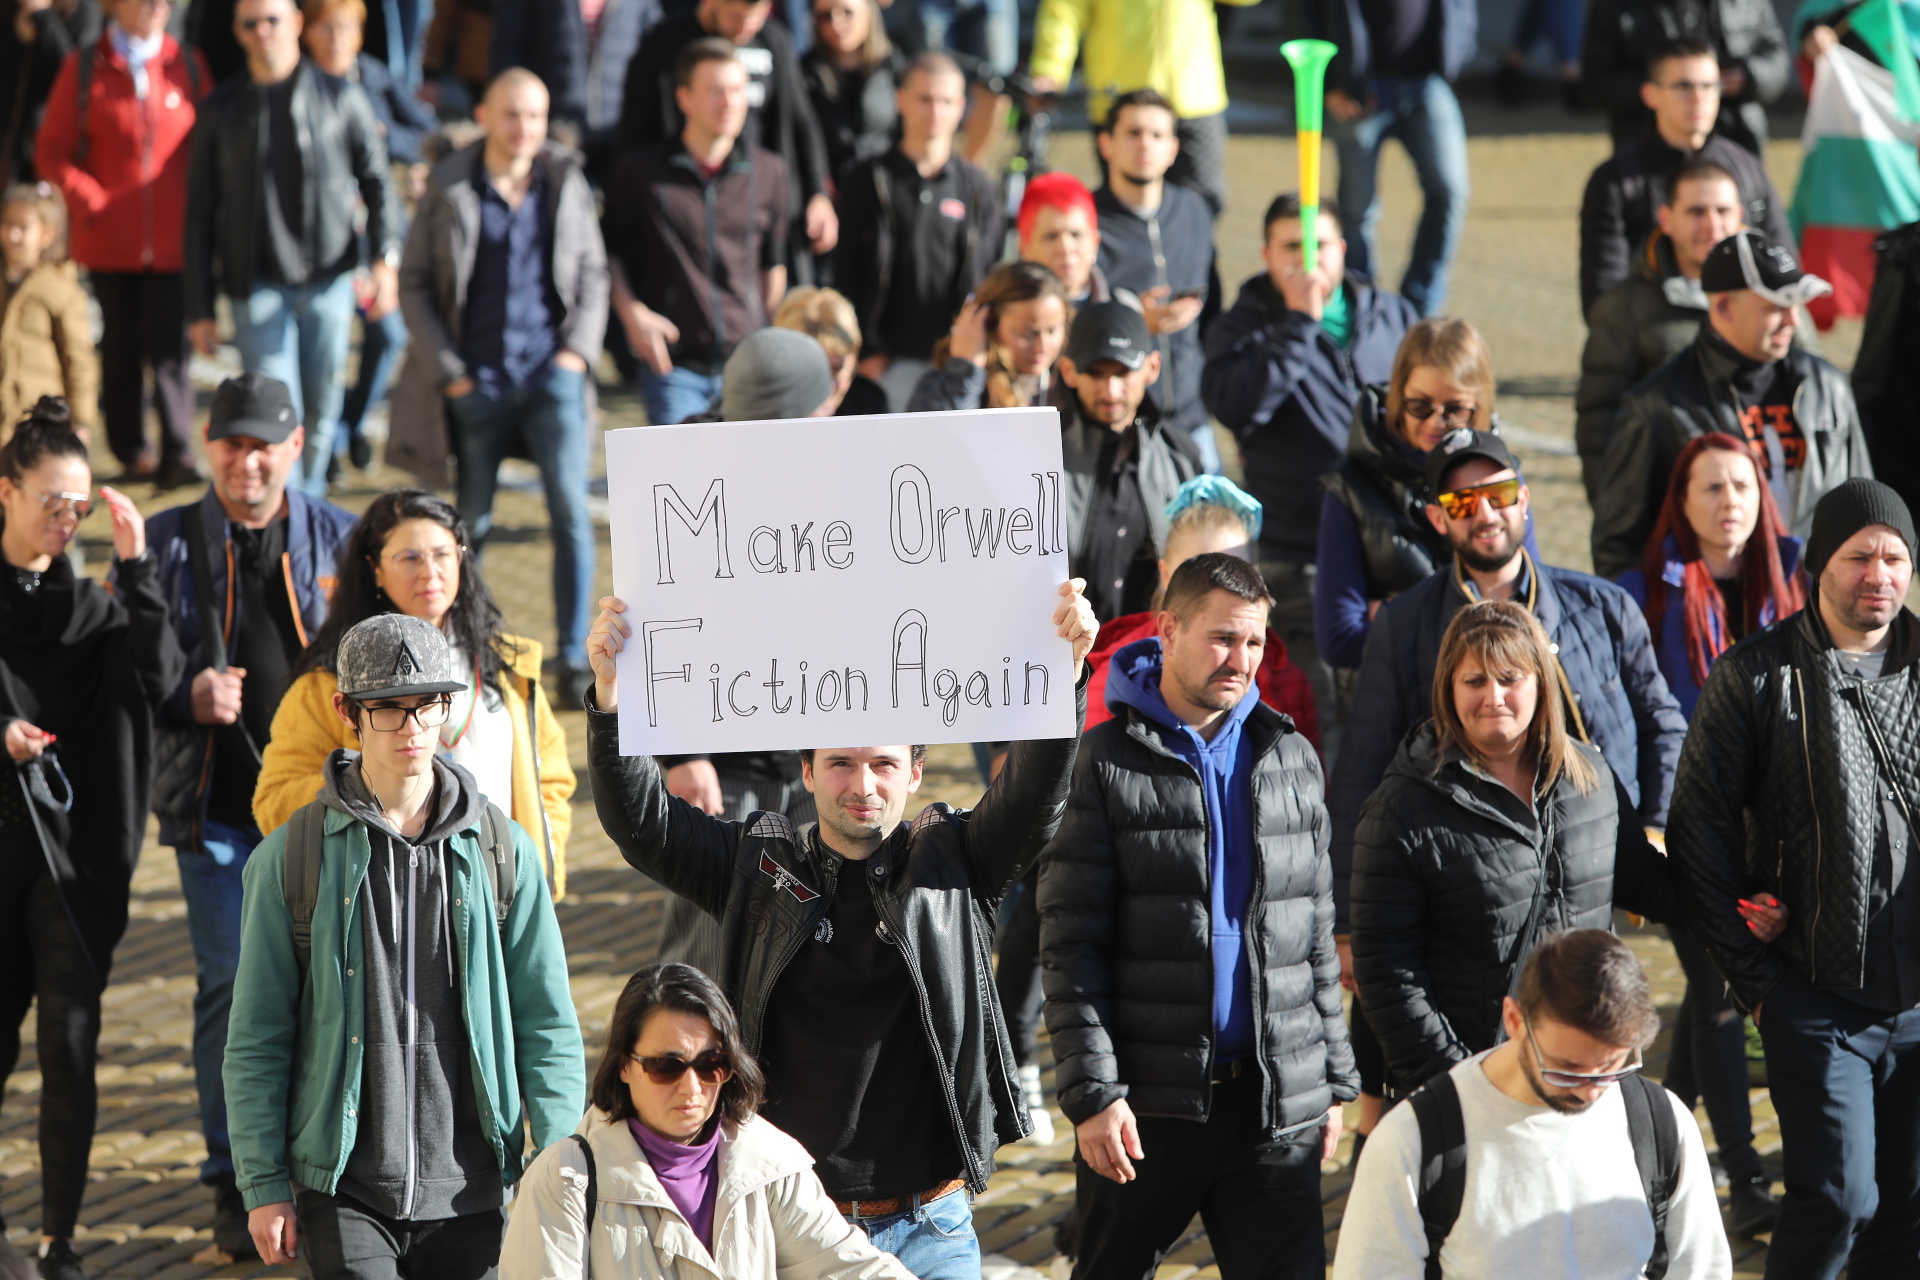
x=1819 y=841
x=830 y=880
x=712 y=203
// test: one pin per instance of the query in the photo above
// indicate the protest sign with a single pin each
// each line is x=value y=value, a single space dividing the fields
x=840 y=581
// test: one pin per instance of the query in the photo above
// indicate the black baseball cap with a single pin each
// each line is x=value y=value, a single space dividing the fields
x=1464 y=444
x=1745 y=260
x=252 y=405
x=1109 y=331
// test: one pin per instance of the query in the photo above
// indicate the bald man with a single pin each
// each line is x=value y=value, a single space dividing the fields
x=504 y=287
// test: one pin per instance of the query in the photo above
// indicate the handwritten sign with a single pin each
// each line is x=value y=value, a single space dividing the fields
x=840 y=581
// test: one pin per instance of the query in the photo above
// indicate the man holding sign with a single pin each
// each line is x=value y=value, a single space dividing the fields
x=856 y=951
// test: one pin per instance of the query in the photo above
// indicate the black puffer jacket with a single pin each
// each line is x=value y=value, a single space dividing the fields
x=770 y=885
x=1387 y=492
x=1126 y=944
x=1886 y=373
x=1777 y=793
x=1447 y=866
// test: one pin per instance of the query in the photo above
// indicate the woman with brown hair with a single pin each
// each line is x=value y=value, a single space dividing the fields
x=852 y=71
x=1003 y=346
x=671 y=1173
x=1492 y=828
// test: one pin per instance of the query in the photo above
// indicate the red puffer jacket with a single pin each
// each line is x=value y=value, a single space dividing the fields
x=128 y=202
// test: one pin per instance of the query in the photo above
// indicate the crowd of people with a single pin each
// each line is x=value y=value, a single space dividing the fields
x=1361 y=781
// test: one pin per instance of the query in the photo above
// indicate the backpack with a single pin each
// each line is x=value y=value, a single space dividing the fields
x=592 y=1193
x=300 y=876
x=1443 y=1159
x=84 y=95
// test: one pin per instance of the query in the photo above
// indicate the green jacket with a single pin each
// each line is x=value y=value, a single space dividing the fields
x=293 y=1064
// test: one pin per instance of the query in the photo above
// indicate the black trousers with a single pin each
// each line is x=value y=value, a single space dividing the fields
x=1017 y=979
x=1259 y=1198
x=43 y=959
x=343 y=1239
x=1709 y=1059
x=143 y=318
x=1201 y=165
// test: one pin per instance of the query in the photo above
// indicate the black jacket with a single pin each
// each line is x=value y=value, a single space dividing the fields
x=1165 y=460
x=1278 y=382
x=1622 y=34
x=1778 y=793
x=856 y=111
x=1886 y=372
x=770 y=884
x=1172 y=248
x=1387 y=493
x=1447 y=868
x=342 y=151
x=1621 y=206
x=1342 y=22
x=1689 y=396
x=1603 y=646
x=1126 y=948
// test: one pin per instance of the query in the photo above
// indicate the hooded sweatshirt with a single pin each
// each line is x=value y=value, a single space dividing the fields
x=420 y=1151
x=1225 y=769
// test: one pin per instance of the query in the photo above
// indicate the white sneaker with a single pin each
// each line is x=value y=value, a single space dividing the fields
x=1042 y=1135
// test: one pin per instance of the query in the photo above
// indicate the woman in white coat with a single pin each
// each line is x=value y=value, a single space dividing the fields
x=671 y=1175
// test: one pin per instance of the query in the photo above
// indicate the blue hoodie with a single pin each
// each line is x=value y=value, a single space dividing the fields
x=1225 y=768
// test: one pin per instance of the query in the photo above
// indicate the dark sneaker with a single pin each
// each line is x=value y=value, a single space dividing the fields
x=58 y=1261
x=230 y=1220
x=1510 y=85
x=360 y=451
x=176 y=475
x=575 y=683
x=1751 y=1207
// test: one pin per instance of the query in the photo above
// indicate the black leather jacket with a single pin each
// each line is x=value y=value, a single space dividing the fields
x=341 y=150
x=1387 y=492
x=770 y=884
x=1778 y=793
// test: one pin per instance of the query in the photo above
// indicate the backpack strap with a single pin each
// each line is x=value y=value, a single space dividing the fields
x=213 y=621
x=1656 y=1153
x=533 y=747
x=83 y=90
x=300 y=877
x=592 y=1196
x=1443 y=1162
x=496 y=833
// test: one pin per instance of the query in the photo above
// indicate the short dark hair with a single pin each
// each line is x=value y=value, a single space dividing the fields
x=931 y=62
x=1589 y=980
x=1286 y=206
x=1698 y=170
x=1679 y=47
x=705 y=49
x=918 y=751
x=1201 y=576
x=1138 y=98
x=684 y=989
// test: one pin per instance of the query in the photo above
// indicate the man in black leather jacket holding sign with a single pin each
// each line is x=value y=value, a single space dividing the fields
x=856 y=952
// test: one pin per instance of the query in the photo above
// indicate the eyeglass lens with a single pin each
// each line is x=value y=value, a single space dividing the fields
x=429 y=715
x=712 y=1067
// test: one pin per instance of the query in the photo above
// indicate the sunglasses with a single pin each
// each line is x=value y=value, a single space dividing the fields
x=1577 y=1079
x=712 y=1067
x=1419 y=408
x=61 y=503
x=1462 y=503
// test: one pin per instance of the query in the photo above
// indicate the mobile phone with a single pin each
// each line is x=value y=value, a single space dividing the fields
x=1188 y=293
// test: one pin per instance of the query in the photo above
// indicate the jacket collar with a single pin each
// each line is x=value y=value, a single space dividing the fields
x=1263 y=727
x=213 y=517
x=459 y=170
x=1373 y=445
x=739 y=158
x=1534 y=590
x=1902 y=654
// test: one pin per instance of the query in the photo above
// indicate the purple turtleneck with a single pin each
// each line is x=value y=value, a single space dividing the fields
x=690 y=1174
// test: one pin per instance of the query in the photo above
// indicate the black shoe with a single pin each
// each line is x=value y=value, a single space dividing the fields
x=1751 y=1207
x=176 y=475
x=333 y=468
x=1510 y=85
x=360 y=451
x=575 y=683
x=230 y=1231
x=60 y=1262
x=1572 y=97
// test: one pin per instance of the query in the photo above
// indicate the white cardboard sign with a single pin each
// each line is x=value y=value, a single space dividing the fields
x=840 y=581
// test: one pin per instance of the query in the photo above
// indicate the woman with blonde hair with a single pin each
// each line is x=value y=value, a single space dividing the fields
x=828 y=318
x=1001 y=351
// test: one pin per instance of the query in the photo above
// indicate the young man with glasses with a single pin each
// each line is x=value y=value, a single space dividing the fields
x=379 y=1119
x=1553 y=1126
x=1625 y=194
x=1622 y=37
x=247 y=571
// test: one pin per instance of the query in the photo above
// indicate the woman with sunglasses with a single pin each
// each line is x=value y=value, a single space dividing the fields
x=685 y=1180
x=1492 y=828
x=82 y=669
x=409 y=554
x=852 y=70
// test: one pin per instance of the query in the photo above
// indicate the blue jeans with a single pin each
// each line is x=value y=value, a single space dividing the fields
x=1560 y=21
x=674 y=397
x=986 y=29
x=210 y=882
x=548 y=413
x=300 y=335
x=1425 y=116
x=380 y=343
x=934 y=1241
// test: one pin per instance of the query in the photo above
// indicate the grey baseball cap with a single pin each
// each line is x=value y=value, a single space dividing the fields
x=391 y=655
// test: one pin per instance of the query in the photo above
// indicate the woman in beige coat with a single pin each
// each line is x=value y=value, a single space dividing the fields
x=686 y=1182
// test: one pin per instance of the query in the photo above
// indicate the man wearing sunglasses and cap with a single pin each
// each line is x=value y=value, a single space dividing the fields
x=401 y=1013
x=1548 y=1156
x=1742 y=377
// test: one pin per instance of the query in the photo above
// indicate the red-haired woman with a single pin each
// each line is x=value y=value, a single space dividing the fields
x=1720 y=566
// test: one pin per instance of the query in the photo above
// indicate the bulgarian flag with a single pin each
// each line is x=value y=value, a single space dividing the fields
x=1860 y=174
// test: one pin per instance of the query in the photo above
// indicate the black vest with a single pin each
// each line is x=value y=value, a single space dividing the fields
x=1387 y=493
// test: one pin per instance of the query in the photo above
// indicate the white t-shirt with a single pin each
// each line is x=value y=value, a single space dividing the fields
x=485 y=747
x=1548 y=1197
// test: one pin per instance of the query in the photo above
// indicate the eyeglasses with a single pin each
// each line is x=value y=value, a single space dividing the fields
x=1498 y=496
x=1687 y=88
x=1419 y=408
x=59 y=503
x=413 y=563
x=714 y=1066
x=1576 y=1079
x=428 y=715
x=264 y=20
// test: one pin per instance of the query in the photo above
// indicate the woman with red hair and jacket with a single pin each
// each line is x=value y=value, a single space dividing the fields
x=1719 y=567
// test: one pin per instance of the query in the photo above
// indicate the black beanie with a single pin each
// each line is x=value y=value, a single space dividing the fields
x=1845 y=511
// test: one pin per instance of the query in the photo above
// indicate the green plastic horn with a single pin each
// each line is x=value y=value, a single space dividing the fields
x=1309 y=59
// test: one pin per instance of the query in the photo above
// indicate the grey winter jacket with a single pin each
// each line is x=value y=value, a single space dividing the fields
x=1165 y=463
x=1174 y=247
x=434 y=273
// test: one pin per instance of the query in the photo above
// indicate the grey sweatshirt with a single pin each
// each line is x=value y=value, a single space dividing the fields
x=420 y=1151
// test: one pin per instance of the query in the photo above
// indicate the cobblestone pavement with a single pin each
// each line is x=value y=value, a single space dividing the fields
x=145 y=1216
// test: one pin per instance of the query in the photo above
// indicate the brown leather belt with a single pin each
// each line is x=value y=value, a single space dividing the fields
x=896 y=1204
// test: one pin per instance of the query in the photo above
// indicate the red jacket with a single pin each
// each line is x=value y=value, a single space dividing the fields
x=1283 y=686
x=128 y=204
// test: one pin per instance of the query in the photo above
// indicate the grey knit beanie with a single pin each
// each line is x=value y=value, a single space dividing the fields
x=1847 y=509
x=774 y=373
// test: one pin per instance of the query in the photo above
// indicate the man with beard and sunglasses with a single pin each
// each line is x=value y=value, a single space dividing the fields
x=1563 y=1157
x=1617 y=699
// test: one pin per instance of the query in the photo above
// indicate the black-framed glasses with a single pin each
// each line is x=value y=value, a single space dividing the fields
x=715 y=1066
x=1687 y=88
x=428 y=715
x=1419 y=408
x=264 y=20
x=1576 y=1079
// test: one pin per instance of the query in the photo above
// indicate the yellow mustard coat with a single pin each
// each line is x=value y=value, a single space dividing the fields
x=306 y=731
x=1169 y=45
